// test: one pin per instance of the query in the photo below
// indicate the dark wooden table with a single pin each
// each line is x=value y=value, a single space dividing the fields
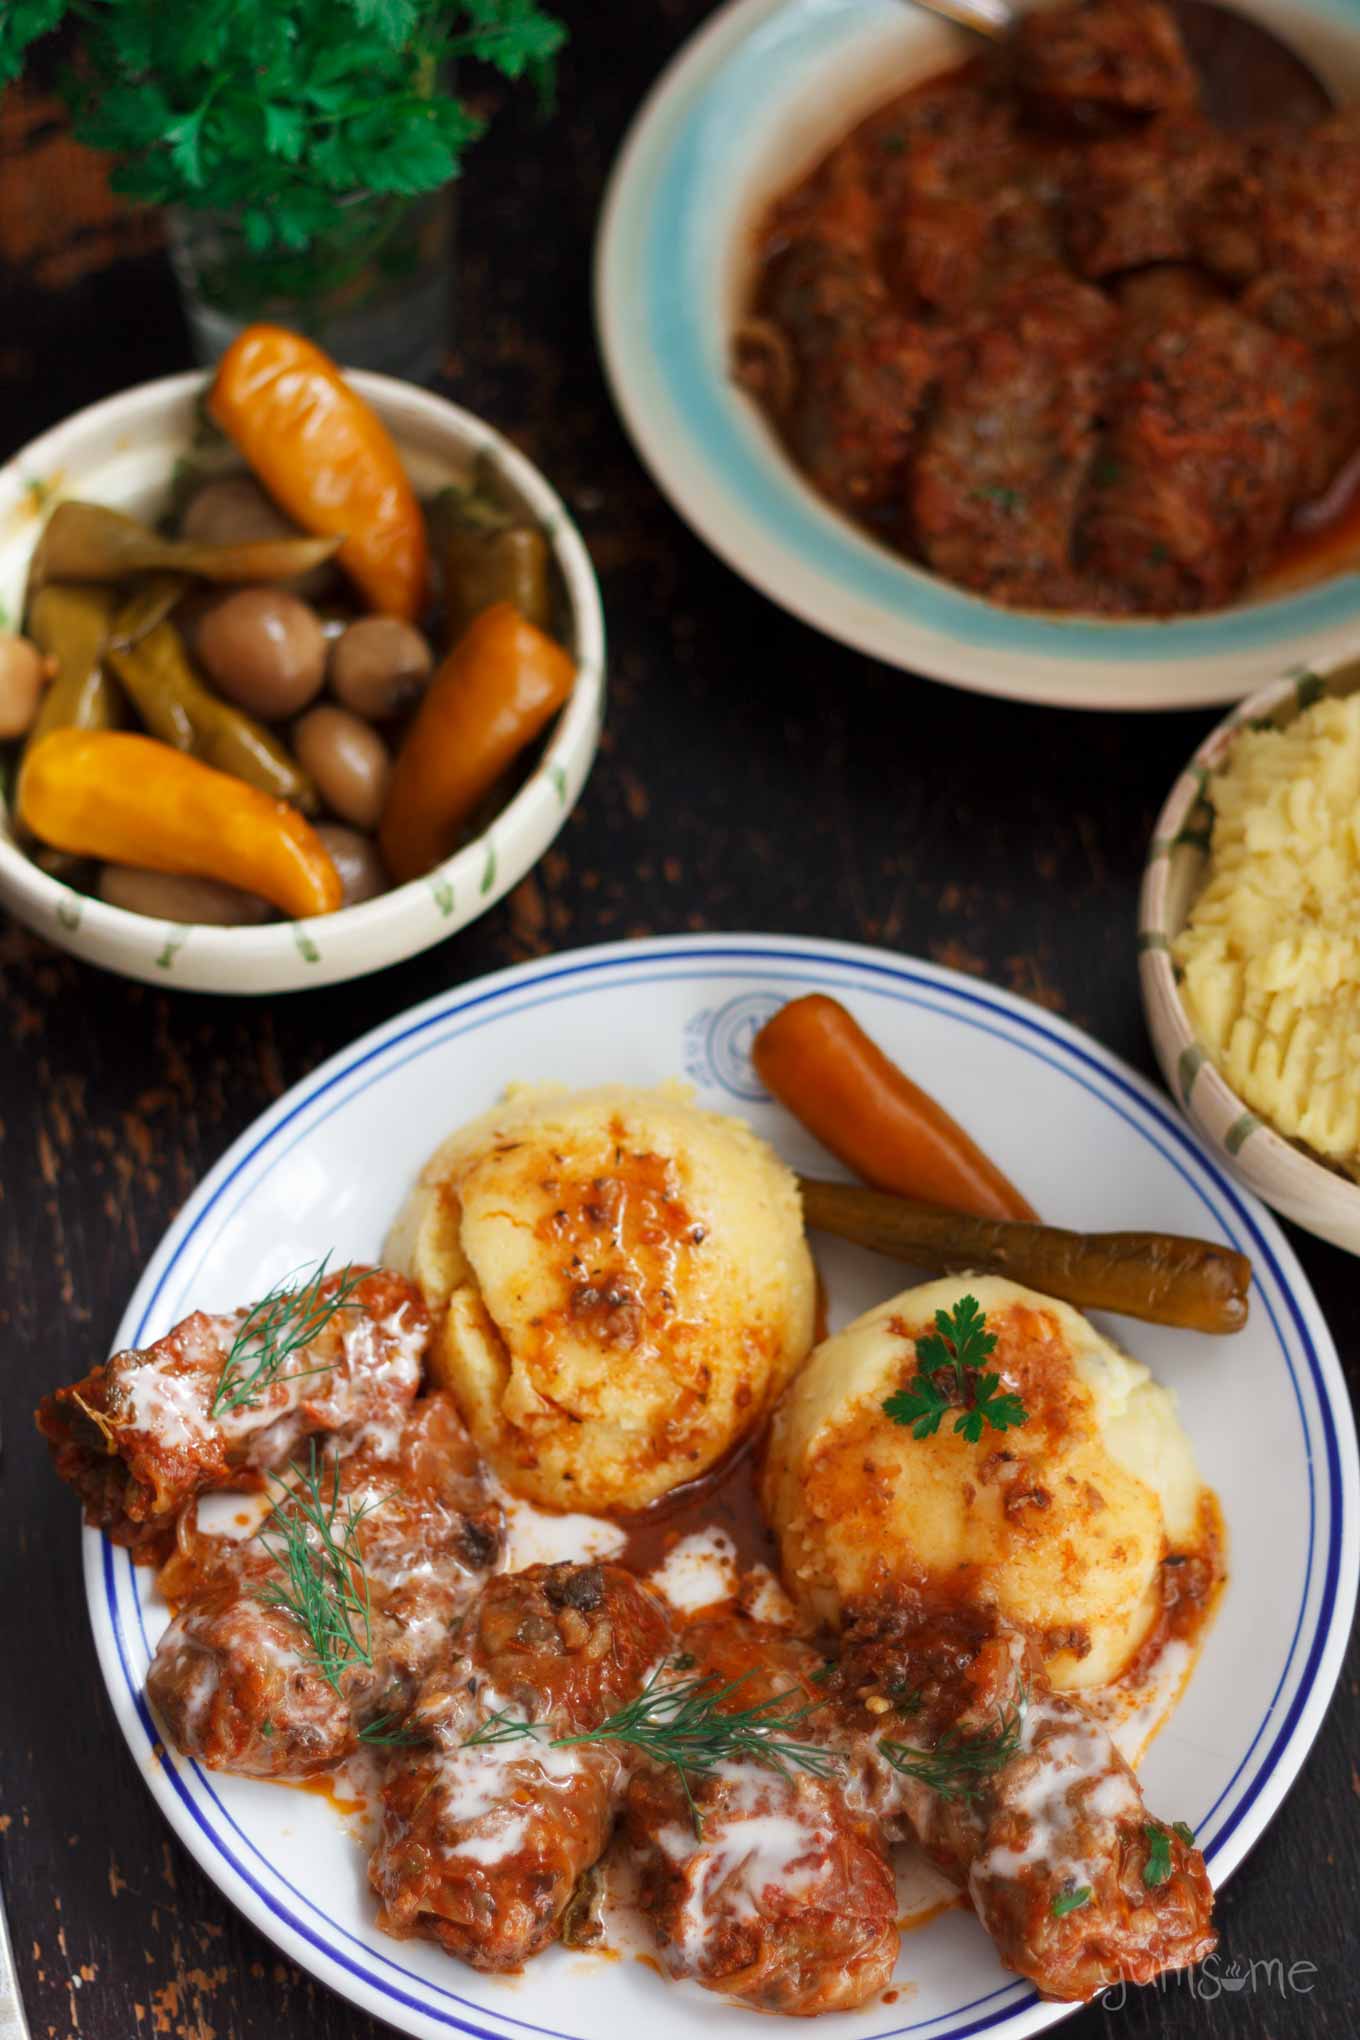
x=753 y=776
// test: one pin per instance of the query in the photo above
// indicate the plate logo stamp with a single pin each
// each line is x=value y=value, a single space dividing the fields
x=718 y=1044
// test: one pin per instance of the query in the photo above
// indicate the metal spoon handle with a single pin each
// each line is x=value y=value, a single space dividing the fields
x=992 y=18
x=13 y=2024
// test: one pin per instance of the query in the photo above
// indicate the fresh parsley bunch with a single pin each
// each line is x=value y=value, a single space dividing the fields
x=273 y=110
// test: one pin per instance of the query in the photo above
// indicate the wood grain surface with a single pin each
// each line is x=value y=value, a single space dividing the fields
x=754 y=776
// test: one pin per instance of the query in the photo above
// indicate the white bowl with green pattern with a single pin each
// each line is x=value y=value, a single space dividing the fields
x=1286 y=1175
x=123 y=452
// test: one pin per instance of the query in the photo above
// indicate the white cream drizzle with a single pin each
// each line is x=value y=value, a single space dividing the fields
x=764 y=1599
x=539 y=1537
x=495 y=1847
x=766 y=1836
x=698 y=1572
x=396 y=1358
x=1065 y=1780
x=170 y=1407
x=169 y=1395
x=486 y=1790
x=202 y=1686
x=1134 y=1715
x=220 y=1513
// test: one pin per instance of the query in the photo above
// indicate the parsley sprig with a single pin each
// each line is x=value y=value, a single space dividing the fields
x=961 y=1762
x=1157 y=1868
x=950 y=1376
x=686 y=1725
x=296 y=1311
x=274 y=109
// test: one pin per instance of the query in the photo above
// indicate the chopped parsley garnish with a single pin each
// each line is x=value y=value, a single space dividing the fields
x=950 y=1376
x=1070 y=1901
x=1010 y=500
x=1157 y=1868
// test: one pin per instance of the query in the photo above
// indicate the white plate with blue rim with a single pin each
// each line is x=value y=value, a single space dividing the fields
x=1094 y=1146
x=750 y=103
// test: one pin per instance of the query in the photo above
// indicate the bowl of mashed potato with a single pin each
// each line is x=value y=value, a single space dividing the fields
x=1249 y=947
x=621 y=1288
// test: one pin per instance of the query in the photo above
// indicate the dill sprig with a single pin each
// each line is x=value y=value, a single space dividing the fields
x=276 y=1328
x=960 y=1764
x=685 y=1726
x=315 y=1544
x=500 y=1727
x=389 y=1732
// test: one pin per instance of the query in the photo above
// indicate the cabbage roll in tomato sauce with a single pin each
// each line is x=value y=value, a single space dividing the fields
x=148 y=1430
x=488 y=1827
x=1019 y=1793
x=236 y=1678
x=779 y=1897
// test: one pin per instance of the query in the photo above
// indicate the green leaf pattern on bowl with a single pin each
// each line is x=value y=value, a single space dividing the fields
x=1191 y=1062
x=176 y=935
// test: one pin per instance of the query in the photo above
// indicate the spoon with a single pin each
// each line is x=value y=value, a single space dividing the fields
x=1246 y=74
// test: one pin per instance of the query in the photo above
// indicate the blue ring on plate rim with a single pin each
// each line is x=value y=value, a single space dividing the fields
x=682 y=310
x=944 y=998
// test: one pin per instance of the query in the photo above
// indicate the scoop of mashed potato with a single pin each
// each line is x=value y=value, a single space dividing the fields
x=626 y=1287
x=1060 y=1523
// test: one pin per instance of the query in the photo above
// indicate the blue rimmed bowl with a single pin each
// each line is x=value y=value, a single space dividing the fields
x=1285 y=1175
x=752 y=101
x=123 y=452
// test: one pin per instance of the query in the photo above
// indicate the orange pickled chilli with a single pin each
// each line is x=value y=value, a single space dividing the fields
x=818 y=1061
x=132 y=800
x=491 y=696
x=327 y=459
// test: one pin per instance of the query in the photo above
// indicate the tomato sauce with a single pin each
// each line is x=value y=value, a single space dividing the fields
x=725 y=1498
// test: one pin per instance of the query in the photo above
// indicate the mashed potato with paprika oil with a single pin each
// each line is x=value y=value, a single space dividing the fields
x=624 y=1282
x=1270 y=953
x=1062 y=1523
